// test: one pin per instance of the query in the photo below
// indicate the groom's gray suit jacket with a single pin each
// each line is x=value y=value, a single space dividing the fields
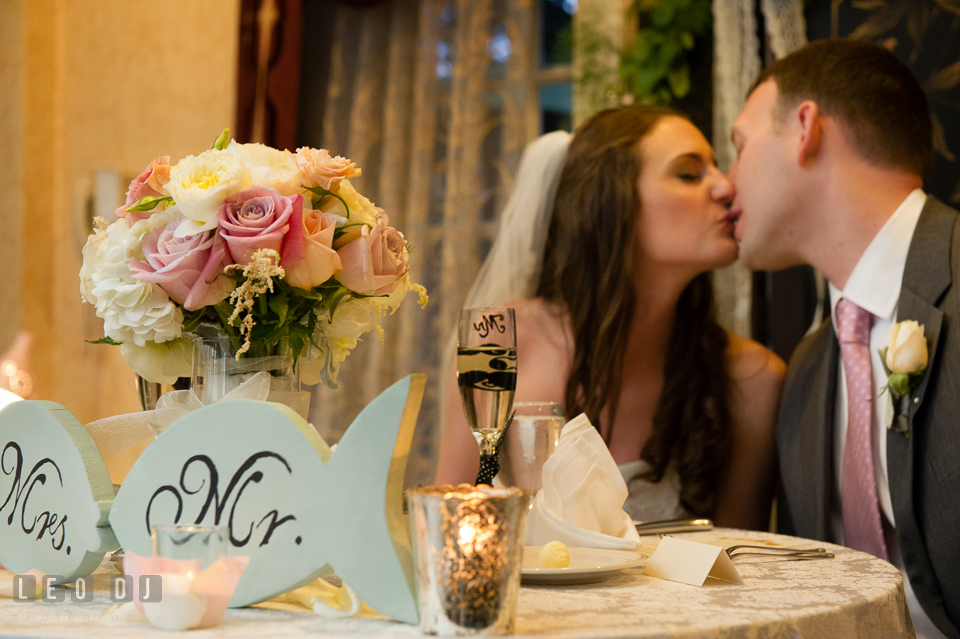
x=924 y=468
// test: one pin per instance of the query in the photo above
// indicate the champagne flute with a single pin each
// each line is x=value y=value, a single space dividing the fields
x=487 y=378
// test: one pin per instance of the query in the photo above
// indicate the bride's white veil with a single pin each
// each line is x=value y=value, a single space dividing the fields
x=512 y=268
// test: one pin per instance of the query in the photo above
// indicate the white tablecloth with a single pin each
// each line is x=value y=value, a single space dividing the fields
x=852 y=595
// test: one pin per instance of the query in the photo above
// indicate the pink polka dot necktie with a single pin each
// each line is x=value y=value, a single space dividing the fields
x=858 y=488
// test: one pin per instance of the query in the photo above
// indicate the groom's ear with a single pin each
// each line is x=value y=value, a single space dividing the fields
x=807 y=119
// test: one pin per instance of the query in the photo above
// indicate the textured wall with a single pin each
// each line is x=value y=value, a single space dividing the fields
x=11 y=164
x=110 y=84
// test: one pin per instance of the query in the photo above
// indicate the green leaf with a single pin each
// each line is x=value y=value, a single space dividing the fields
x=148 y=203
x=313 y=295
x=104 y=340
x=680 y=81
x=279 y=305
x=900 y=383
x=336 y=298
x=222 y=141
x=297 y=341
x=883 y=360
x=191 y=320
x=654 y=66
x=340 y=232
x=322 y=192
x=662 y=15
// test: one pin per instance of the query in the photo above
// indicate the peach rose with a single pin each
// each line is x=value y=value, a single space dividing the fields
x=374 y=262
x=319 y=169
x=149 y=183
x=188 y=269
x=319 y=261
x=261 y=218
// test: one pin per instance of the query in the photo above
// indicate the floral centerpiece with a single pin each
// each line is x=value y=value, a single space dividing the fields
x=273 y=248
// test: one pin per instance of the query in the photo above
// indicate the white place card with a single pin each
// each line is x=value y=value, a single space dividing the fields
x=690 y=562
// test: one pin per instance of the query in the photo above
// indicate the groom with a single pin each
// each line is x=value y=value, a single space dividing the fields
x=832 y=147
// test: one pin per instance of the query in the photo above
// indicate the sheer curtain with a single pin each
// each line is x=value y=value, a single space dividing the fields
x=429 y=97
x=736 y=66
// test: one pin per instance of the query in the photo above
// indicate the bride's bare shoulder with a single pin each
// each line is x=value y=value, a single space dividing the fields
x=753 y=364
x=756 y=374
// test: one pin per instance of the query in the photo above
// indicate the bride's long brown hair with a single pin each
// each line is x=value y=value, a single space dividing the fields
x=589 y=270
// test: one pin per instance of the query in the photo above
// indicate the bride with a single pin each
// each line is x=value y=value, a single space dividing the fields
x=610 y=279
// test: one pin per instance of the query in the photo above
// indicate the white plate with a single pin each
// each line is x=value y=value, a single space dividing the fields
x=587 y=565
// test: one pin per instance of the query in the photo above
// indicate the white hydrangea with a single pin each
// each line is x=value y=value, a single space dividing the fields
x=132 y=311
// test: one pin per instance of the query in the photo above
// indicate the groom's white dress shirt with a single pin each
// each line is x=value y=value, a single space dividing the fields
x=874 y=285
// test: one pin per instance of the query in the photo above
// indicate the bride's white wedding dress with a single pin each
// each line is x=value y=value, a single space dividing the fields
x=511 y=271
x=648 y=501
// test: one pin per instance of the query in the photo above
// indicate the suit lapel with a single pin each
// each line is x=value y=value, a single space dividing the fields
x=821 y=443
x=806 y=434
x=926 y=277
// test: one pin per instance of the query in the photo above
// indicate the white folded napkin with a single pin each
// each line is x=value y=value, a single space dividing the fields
x=581 y=502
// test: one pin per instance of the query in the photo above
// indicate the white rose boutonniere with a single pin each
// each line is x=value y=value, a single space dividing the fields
x=904 y=359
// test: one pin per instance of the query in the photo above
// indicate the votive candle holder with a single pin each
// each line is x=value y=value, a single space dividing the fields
x=468 y=551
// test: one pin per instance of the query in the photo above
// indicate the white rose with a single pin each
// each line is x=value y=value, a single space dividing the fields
x=132 y=311
x=907 y=349
x=361 y=209
x=199 y=184
x=316 y=366
x=160 y=363
x=267 y=166
x=352 y=319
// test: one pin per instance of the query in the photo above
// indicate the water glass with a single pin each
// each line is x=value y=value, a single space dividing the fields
x=530 y=440
x=191 y=596
x=186 y=542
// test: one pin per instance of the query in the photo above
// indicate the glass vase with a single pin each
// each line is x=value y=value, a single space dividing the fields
x=217 y=371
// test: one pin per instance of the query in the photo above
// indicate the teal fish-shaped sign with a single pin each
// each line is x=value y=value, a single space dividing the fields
x=294 y=507
x=55 y=493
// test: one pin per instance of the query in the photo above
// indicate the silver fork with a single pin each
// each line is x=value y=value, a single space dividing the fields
x=778 y=551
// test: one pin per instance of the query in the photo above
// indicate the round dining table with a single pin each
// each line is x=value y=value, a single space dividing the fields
x=852 y=595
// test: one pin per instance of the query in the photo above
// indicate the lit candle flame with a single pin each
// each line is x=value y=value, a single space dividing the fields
x=467 y=533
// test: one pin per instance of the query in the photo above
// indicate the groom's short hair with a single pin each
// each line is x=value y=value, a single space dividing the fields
x=864 y=86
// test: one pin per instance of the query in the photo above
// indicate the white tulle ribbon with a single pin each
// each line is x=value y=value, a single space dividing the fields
x=113 y=435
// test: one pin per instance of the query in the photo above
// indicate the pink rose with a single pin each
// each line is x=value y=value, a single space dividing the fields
x=319 y=261
x=321 y=170
x=189 y=269
x=261 y=218
x=374 y=262
x=150 y=183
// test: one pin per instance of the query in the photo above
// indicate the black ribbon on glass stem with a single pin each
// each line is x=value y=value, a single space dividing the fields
x=490 y=464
